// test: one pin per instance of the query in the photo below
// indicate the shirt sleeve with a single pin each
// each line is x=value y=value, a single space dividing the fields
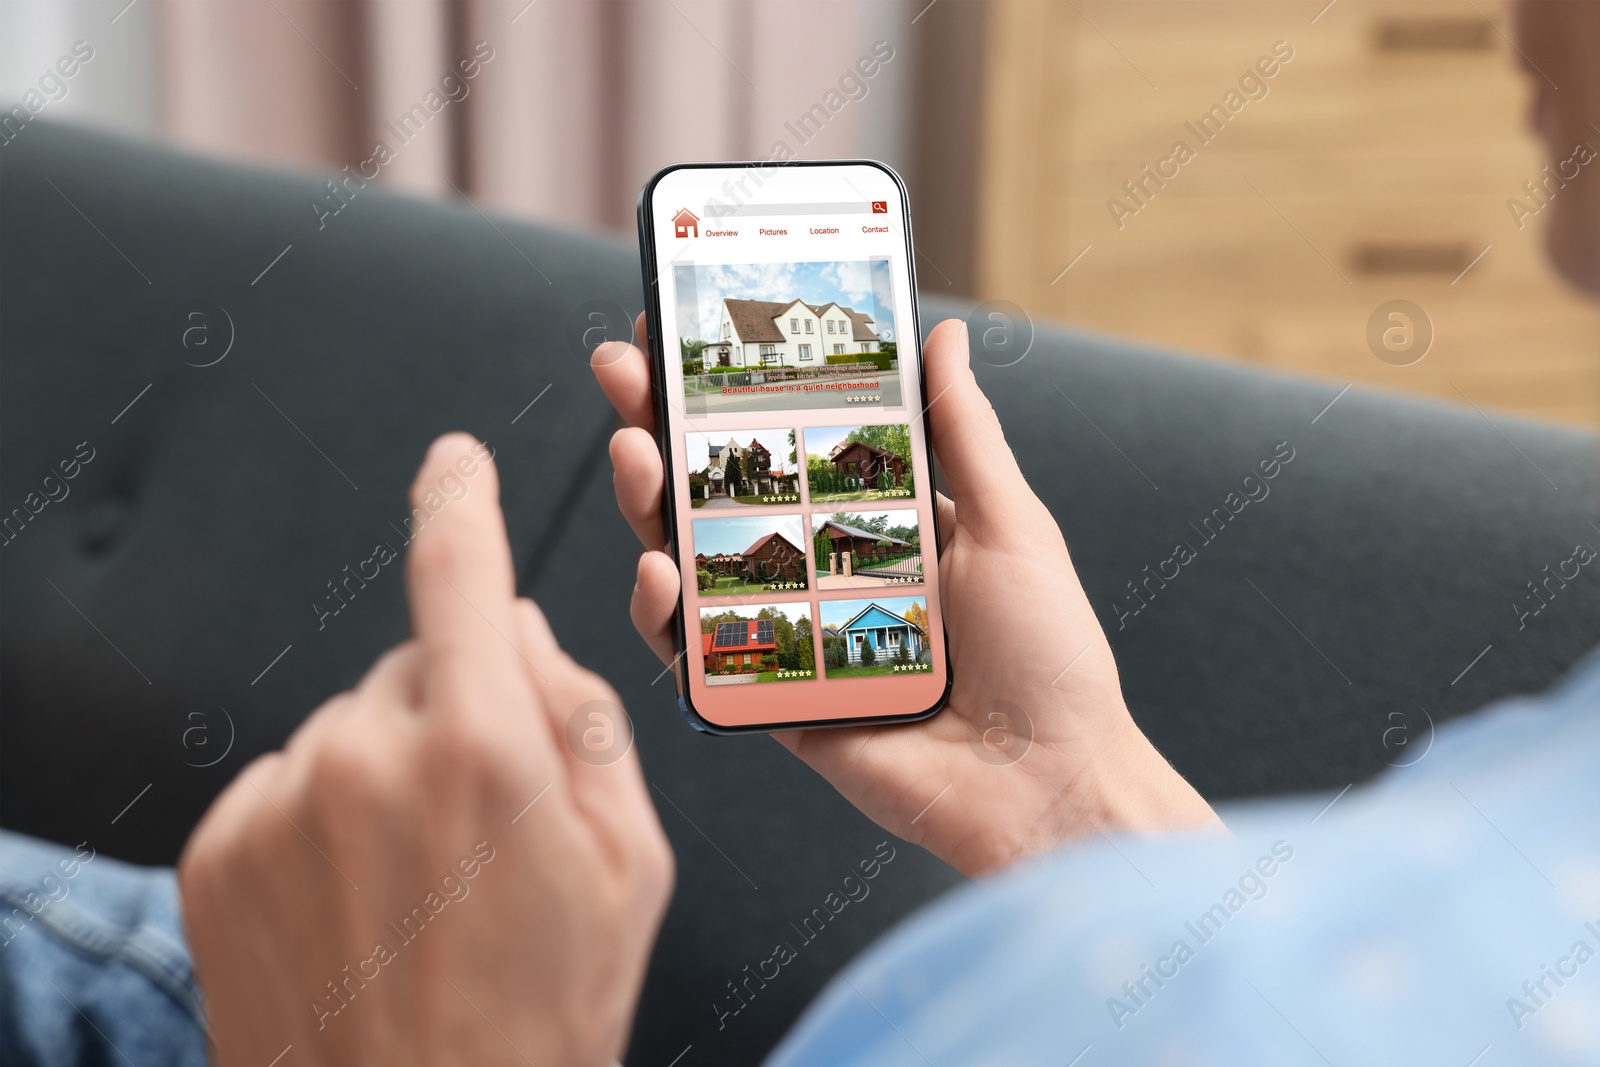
x=1447 y=912
x=93 y=968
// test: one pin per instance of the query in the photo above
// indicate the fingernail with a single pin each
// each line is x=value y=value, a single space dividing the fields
x=439 y=444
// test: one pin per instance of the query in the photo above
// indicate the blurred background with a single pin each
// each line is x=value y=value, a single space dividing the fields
x=1384 y=158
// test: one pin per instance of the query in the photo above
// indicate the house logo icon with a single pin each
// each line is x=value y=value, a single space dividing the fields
x=686 y=223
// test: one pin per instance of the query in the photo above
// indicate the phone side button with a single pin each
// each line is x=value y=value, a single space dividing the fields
x=691 y=718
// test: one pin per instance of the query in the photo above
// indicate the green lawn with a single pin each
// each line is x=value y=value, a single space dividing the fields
x=731 y=584
x=867 y=672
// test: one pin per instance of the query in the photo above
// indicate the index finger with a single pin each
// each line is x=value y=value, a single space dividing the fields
x=461 y=582
x=623 y=371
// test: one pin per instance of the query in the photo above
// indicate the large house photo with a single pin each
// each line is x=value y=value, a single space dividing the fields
x=787 y=333
x=760 y=336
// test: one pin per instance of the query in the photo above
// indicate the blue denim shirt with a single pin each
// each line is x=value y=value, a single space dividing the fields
x=93 y=968
x=1448 y=912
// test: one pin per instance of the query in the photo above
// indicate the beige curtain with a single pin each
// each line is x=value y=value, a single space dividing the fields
x=573 y=103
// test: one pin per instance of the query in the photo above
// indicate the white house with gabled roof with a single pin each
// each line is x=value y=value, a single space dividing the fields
x=773 y=333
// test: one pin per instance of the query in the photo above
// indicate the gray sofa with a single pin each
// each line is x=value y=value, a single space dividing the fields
x=160 y=603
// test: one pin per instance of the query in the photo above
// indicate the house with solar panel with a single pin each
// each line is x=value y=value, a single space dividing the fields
x=792 y=333
x=739 y=646
x=885 y=632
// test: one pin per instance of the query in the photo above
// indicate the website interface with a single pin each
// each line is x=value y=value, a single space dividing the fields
x=794 y=397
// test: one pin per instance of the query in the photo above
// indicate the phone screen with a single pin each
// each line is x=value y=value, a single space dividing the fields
x=799 y=489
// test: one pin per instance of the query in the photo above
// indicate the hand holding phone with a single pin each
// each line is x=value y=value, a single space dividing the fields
x=1036 y=746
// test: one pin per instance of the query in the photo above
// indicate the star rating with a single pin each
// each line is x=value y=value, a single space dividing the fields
x=867 y=398
x=913 y=667
x=797 y=674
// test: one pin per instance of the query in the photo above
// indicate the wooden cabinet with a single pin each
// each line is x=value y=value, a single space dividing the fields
x=1375 y=164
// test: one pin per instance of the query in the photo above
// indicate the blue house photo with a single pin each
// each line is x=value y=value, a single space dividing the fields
x=885 y=631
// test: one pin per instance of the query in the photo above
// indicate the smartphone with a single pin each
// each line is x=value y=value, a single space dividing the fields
x=793 y=423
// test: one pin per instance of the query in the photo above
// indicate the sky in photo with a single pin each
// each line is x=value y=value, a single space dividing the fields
x=697 y=446
x=836 y=613
x=735 y=535
x=861 y=285
x=820 y=440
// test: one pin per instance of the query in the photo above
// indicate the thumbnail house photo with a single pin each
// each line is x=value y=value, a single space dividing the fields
x=742 y=468
x=845 y=463
x=780 y=336
x=881 y=636
x=771 y=643
x=866 y=550
x=749 y=554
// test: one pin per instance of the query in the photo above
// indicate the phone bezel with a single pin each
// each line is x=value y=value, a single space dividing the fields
x=652 y=314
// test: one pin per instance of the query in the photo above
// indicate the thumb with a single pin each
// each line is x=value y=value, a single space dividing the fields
x=985 y=481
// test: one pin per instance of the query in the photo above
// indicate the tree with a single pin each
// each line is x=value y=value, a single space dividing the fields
x=804 y=653
x=794 y=457
x=838 y=655
x=918 y=616
x=895 y=438
x=703 y=580
x=868 y=655
x=732 y=474
x=690 y=350
x=876 y=524
x=890 y=349
x=822 y=545
x=708 y=623
x=902 y=654
x=783 y=634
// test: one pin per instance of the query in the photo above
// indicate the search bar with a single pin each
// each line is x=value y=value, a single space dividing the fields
x=855 y=207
